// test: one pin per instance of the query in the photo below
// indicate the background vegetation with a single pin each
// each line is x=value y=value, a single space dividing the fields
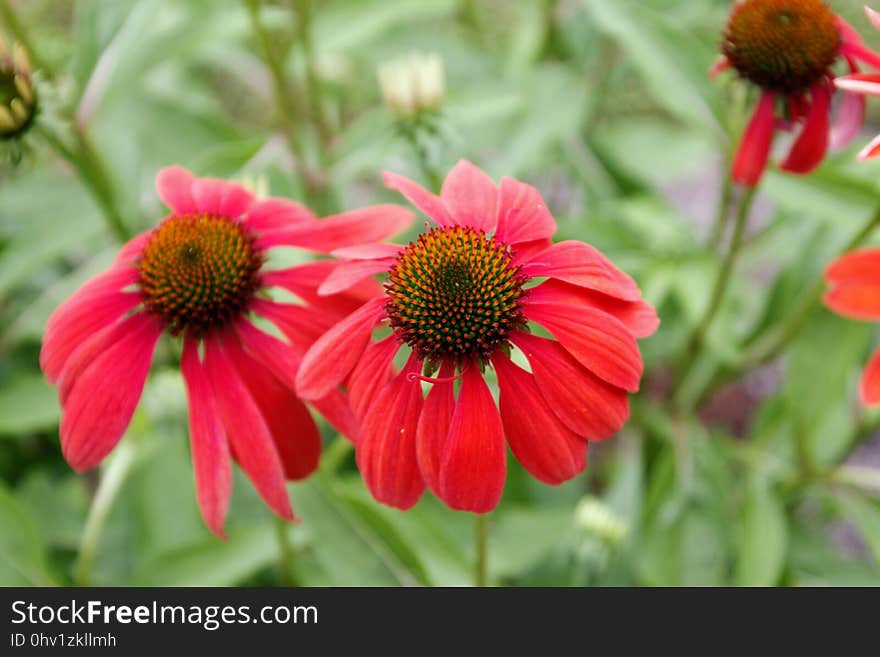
x=750 y=473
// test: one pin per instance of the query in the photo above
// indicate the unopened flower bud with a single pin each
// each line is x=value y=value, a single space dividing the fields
x=413 y=84
x=18 y=98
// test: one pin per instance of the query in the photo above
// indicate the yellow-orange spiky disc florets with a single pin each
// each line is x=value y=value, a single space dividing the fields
x=455 y=295
x=782 y=45
x=199 y=272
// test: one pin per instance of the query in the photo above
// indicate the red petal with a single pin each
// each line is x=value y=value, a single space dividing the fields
x=365 y=225
x=541 y=442
x=433 y=429
x=371 y=373
x=522 y=214
x=98 y=303
x=349 y=274
x=293 y=430
x=386 y=447
x=586 y=404
x=277 y=214
x=337 y=411
x=639 y=317
x=278 y=357
x=471 y=197
x=304 y=281
x=249 y=436
x=855 y=300
x=428 y=203
x=101 y=391
x=301 y=325
x=583 y=265
x=474 y=463
x=810 y=147
x=861 y=266
x=334 y=355
x=174 y=185
x=221 y=198
x=210 y=451
x=869 y=388
x=599 y=341
x=754 y=149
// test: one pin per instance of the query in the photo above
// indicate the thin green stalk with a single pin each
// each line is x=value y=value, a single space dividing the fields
x=722 y=213
x=481 y=546
x=286 y=562
x=333 y=456
x=305 y=12
x=719 y=288
x=114 y=475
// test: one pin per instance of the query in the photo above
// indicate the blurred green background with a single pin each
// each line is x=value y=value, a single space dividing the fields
x=604 y=105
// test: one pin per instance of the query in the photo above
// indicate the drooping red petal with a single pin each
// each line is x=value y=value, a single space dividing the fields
x=474 y=463
x=348 y=274
x=860 y=266
x=586 y=404
x=275 y=214
x=337 y=411
x=861 y=53
x=855 y=300
x=248 y=433
x=719 y=66
x=865 y=84
x=639 y=317
x=336 y=352
x=371 y=373
x=600 y=342
x=304 y=281
x=810 y=147
x=869 y=387
x=174 y=186
x=364 y=225
x=374 y=251
x=433 y=429
x=100 y=393
x=870 y=151
x=293 y=430
x=301 y=325
x=471 y=197
x=522 y=214
x=583 y=265
x=849 y=121
x=98 y=303
x=754 y=149
x=132 y=249
x=430 y=204
x=541 y=442
x=212 y=465
x=221 y=198
x=386 y=446
x=278 y=357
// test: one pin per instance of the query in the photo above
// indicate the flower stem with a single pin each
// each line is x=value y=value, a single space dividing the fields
x=333 y=456
x=722 y=280
x=481 y=546
x=723 y=211
x=305 y=12
x=114 y=476
x=286 y=563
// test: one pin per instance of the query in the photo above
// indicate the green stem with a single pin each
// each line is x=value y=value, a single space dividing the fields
x=723 y=211
x=333 y=456
x=114 y=476
x=286 y=562
x=722 y=280
x=313 y=87
x=481 y=546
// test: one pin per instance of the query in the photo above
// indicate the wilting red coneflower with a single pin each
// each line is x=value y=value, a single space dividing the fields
x=865 y=84
x=788 y=48
x=854 y=292
x=460 y=299
x=200 y=275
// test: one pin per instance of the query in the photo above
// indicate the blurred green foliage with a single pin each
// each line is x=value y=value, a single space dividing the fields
x=605 y=105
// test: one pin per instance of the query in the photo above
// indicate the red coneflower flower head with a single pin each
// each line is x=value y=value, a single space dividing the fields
x=788 y=48
x=460 y=300
x=203 y=274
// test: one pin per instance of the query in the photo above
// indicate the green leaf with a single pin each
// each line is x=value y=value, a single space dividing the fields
x=764 y=539
x=27 y=403
x=864 y=514
x=22 y=553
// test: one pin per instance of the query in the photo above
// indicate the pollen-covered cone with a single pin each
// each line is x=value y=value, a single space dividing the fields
x=460 y=301
x=201 y=275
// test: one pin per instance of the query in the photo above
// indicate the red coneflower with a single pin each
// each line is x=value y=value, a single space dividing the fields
x=787 y=48
x=854 y=292
x=199 y=275
x=460 y=299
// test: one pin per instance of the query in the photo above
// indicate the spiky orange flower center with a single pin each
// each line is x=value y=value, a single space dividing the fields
x=455 y=295
x=782 y=45
x=198 y=272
